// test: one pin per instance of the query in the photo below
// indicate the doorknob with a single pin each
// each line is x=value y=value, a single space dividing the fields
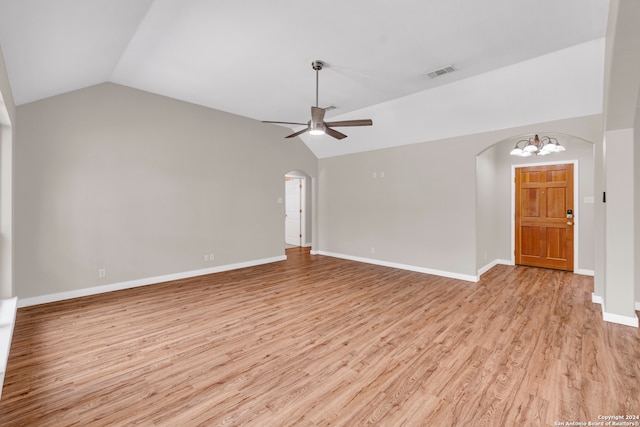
x=569 y=223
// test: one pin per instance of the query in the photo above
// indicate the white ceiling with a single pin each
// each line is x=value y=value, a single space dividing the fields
x=252 y=57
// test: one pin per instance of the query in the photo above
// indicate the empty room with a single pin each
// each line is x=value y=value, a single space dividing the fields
x=409 y=213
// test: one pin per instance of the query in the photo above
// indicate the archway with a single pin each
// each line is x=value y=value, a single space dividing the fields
x=495 y=203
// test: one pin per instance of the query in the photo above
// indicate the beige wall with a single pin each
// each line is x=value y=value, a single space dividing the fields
x=143 y=186
x=620 y=224
x=421 y=213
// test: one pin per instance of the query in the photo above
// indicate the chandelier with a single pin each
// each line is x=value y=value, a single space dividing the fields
x=537 y=147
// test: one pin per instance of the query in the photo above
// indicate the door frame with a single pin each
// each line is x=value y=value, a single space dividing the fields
x=576 y=206
x=303 y=205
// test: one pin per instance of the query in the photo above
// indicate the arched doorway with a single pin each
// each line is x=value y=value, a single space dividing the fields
x=495 y=204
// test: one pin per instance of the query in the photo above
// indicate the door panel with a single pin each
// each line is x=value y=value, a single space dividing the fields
x=555 y=249
x=530 y=202
x=531 y=242
x=556 y=203
x=544 y=233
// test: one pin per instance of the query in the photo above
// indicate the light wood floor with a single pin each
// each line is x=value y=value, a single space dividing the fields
x=316 y=341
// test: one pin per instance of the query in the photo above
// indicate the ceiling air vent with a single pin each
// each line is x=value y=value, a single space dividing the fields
x=441 y=72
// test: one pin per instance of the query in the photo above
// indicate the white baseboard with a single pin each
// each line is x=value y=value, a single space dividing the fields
x=585 y=272
x=492 y=264
x=615 y=318
x=597 y=299
x=441 y=273
x=621 y=320
x=8 y=309
x=25 y=302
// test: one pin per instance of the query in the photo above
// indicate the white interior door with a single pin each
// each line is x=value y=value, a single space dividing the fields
x=293 y=210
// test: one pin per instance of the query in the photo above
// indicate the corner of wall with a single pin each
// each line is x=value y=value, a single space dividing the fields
x=7 y=132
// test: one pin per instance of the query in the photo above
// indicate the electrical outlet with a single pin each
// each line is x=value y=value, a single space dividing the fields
x=373 y=250
x=206 y=258
x=211 y=257
x=102 y=272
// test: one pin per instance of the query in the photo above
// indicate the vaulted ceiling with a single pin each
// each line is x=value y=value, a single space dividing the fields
x=253 y=58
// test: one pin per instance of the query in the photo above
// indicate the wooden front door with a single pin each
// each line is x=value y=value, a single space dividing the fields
x=544 y=216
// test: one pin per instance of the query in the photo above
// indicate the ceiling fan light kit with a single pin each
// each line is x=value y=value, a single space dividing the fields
x=316 y=128
x=317 y=125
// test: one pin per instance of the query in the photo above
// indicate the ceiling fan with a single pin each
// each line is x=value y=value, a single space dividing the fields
x=317 y=125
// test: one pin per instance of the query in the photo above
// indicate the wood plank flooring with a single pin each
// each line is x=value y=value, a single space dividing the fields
x=318 y=341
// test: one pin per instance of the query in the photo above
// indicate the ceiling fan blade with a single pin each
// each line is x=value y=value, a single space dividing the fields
x=317 y=114
x=297 y=133
x=365 y=122
x=284 y=123
x=334 y=133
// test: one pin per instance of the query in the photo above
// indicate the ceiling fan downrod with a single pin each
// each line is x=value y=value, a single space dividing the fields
x=317 y=65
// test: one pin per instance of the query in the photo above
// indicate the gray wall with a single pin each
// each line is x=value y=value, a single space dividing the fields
x=491 y=201
x=421 y=213
x=142 y=186
x=424 y=212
